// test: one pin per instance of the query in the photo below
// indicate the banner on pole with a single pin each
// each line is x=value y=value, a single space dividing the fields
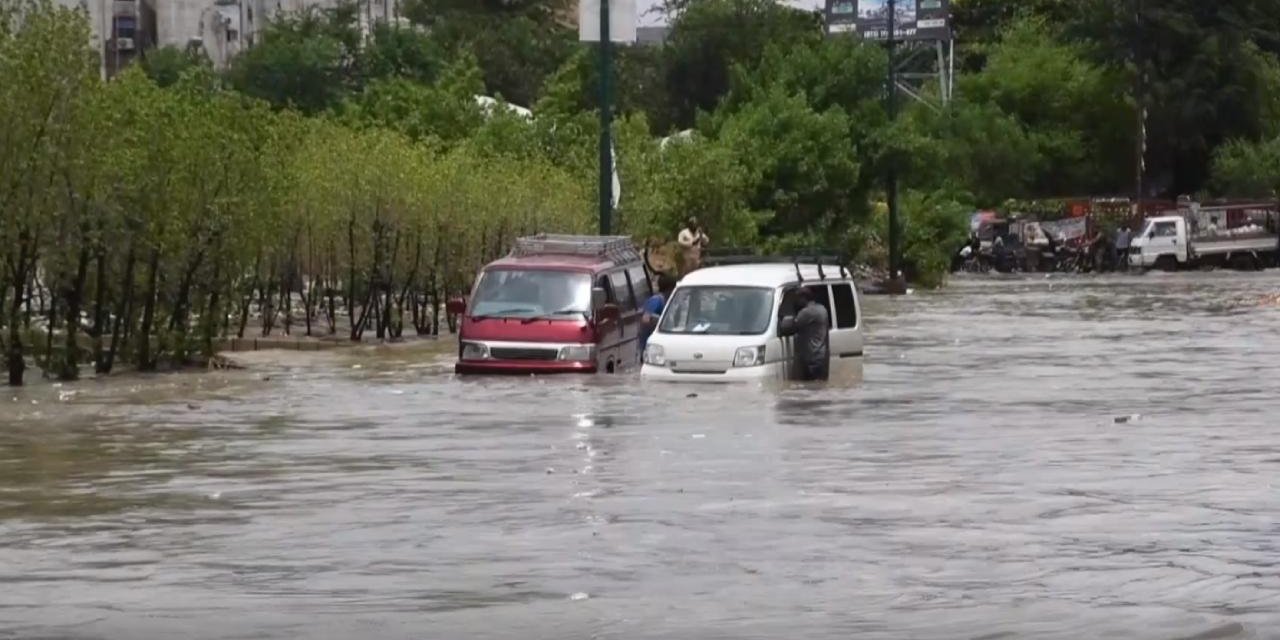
x=622 y=20
x=914 y=19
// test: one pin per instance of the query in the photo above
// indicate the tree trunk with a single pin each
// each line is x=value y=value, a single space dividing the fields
x=246 y=301
x=70 y=369
x=351 y=276
x=209 y=318
x=124 y=312
x=145 y=356
x=16 y=364
x=99 y=308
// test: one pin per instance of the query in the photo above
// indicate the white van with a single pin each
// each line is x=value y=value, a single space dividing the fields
x=721 y=323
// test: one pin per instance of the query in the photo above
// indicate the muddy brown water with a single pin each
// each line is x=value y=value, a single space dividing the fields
x=974 y=484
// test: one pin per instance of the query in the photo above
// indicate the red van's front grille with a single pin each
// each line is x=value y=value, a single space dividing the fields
x=523 y=353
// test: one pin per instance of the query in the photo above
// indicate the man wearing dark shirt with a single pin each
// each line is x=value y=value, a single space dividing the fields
x=812 y=345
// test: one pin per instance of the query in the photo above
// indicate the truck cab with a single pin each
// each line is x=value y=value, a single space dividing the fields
x=1162 y=243
x=556 y=304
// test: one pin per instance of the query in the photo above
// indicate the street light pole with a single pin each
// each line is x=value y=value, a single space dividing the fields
x=1140 y=102
x=606 y=123
x=891 y=179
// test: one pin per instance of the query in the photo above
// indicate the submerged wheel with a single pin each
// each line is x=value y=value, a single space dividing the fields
x=1166 y=263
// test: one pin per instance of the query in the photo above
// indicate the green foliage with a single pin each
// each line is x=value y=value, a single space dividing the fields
x=518 y=44
x=166 y=65
x=1074 y=111
x=301 y=63
x=696 y=176
x=711 y=37
x=935 y=223
x=800 y=161
x=1248 y=169
x=396 y=52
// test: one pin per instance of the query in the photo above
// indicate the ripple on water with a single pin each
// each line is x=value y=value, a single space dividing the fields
x=974 y=484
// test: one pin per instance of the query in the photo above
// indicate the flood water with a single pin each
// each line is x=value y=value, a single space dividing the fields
x=975 y=484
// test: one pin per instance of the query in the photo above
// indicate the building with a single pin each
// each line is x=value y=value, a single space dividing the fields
x=122 y=30
x=224 y=28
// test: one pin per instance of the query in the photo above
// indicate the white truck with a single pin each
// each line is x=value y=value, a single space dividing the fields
x=1240 y=237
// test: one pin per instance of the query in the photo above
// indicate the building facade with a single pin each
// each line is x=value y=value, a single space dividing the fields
x=123 y=30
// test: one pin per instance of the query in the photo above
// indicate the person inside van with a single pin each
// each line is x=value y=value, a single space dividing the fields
x=811 y=327
x=653 y=308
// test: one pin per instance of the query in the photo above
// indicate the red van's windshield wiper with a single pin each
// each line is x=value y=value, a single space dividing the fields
x=495 y=314
x=563 y=312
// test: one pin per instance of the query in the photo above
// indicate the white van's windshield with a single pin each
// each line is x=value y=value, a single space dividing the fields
x=528 y=293
x=716 y=310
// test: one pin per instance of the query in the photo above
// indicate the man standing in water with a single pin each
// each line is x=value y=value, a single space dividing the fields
x=811 y=327
x=1123 y=239
x=653 y=309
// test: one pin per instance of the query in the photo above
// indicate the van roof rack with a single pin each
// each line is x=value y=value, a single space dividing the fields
x=819 y=258
x=619 y=249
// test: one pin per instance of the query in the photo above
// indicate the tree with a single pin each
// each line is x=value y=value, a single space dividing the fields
x=1076 y=111
x=709 y=38
x=399 y=52
x=48 y=68
x=445 y=113
x=802 y=165
x=518 y=44
x=166 y=65
x=1248 y=169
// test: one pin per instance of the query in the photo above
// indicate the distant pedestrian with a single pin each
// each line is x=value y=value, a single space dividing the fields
x=811 y=327
x=1124 y=238
x=653 y=308
x=693 y=240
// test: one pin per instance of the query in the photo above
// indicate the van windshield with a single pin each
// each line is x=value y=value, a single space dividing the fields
x=718 y=310
x=527 y=293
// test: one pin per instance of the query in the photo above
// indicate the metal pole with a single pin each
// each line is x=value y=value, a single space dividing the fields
x=951 y=68
x=942 y=71
x=891 y=179
x=606 y=124
x=1141 y=152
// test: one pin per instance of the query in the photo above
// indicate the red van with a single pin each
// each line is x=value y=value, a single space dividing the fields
x=556 y=304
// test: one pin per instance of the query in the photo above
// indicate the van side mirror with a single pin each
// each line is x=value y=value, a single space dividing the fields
x=598 y=297
x=608 y=313
x=1151 y=235
x=456 y=306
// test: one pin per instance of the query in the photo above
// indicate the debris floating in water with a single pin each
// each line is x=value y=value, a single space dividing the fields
x=1130 y=418
x=692 y=395
x=699 y=436
x=581 y=595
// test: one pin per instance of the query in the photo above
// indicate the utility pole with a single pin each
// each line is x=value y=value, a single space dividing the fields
x=606 y=123
x=891 y=179
x=1140 y=90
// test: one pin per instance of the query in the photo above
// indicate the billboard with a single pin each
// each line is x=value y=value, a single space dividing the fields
x=914 y=19
x=622 y=20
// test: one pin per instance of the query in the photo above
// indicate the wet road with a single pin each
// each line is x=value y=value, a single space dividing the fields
x=975 y=485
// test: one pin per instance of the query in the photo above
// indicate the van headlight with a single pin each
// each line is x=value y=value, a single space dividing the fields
x=749 y=356
x=578 y=353
x=475 y=351
x=655 y=355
